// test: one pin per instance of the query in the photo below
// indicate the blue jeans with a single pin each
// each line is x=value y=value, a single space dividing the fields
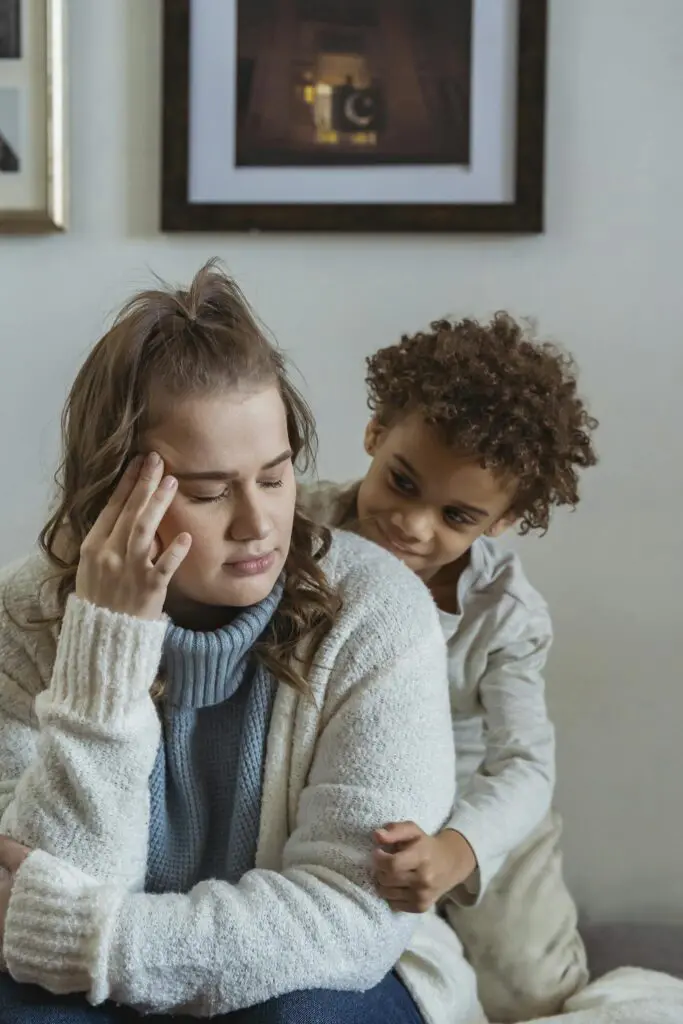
x=388 y=1003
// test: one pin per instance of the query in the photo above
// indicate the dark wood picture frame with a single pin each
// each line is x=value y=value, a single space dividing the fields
x=523 y=215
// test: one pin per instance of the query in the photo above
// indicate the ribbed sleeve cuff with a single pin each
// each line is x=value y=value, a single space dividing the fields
x=106 y=662
x=54 y=931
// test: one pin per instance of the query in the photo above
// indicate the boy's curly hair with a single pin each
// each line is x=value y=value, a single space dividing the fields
x=498 y=394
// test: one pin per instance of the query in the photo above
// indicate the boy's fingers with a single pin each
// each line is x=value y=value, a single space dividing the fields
x=389 y=871
x=401 y=879
x=403 y=907
x=401 y=863
x=398 y=832
x=395 y=894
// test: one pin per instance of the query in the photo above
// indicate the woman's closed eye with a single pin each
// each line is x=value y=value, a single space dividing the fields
x=205 y=499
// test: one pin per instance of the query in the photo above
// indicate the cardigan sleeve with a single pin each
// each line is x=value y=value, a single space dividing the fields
x=75 y=754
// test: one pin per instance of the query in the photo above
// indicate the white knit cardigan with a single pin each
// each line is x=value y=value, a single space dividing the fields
x=78 y=738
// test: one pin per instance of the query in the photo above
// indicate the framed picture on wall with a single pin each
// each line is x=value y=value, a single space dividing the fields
x=354 y=115
x=32 y=116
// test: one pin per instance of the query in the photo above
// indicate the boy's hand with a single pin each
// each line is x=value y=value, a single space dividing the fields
x=414 y=870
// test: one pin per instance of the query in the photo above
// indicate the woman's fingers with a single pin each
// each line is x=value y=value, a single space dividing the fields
x=125 y=569
x=149 y=478
x=170 y=559
x=108 y=517
x=142 y=543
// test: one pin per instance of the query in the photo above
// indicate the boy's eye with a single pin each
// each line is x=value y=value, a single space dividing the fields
x=454 y=517
x=402 y=483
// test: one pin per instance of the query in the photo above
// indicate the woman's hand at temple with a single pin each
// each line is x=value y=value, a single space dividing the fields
x=121 y=567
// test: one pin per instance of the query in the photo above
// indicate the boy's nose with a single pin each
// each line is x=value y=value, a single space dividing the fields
x=412 y=527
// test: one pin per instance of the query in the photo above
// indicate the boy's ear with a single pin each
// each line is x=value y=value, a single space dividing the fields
x=374 y=432
x=500 y=526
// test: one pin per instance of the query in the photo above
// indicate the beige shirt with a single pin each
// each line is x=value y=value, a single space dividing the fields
x=497 y=649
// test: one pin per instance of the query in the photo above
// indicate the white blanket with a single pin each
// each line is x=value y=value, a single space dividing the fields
x=627 y=996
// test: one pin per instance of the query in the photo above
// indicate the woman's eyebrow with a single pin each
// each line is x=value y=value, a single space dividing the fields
x=226 y=474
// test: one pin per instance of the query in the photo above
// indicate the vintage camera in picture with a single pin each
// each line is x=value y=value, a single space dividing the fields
x=357 y=109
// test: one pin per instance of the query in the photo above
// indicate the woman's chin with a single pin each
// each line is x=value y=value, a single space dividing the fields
x=239 y=590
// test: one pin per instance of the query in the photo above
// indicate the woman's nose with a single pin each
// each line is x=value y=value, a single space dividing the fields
x=250 y=521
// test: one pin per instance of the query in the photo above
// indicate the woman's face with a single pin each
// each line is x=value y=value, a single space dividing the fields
x=236 y=494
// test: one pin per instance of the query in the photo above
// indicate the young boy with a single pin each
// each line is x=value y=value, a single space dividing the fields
x=477 y=428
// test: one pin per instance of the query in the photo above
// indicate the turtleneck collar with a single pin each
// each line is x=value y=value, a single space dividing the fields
x=204 y=669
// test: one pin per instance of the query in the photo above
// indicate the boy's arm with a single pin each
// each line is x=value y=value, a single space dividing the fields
x=512 y=791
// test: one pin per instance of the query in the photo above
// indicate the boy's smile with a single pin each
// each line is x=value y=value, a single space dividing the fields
x=424 y=502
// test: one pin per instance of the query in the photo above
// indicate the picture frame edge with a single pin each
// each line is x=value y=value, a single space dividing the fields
x=52 y=216
x=525 y=215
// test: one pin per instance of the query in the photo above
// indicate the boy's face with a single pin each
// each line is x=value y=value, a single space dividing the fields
x=422 y=501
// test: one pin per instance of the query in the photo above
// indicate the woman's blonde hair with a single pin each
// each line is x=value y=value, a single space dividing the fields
x=185 y=342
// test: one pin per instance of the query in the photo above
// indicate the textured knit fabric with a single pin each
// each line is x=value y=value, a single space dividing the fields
x=497 y=649
x=369 y=742
x=205 y=789
x=386 y=1003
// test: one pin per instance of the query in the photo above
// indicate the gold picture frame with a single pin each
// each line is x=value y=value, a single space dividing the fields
x=40 y=87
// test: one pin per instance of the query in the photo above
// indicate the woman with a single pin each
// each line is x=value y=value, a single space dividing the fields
x=207 y=704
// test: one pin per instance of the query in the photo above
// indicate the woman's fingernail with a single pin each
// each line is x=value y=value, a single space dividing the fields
x=134 y=464
x=168 y=483
x=153 y=460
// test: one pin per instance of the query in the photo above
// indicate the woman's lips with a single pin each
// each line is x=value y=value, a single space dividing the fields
x=254 y=566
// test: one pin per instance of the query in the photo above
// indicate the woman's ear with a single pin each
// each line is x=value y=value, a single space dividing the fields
x=374 y=432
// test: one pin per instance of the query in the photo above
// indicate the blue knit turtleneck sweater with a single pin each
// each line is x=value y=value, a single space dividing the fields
x=205 y=788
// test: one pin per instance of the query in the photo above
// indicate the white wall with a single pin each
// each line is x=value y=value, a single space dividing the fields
x=603 y=280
